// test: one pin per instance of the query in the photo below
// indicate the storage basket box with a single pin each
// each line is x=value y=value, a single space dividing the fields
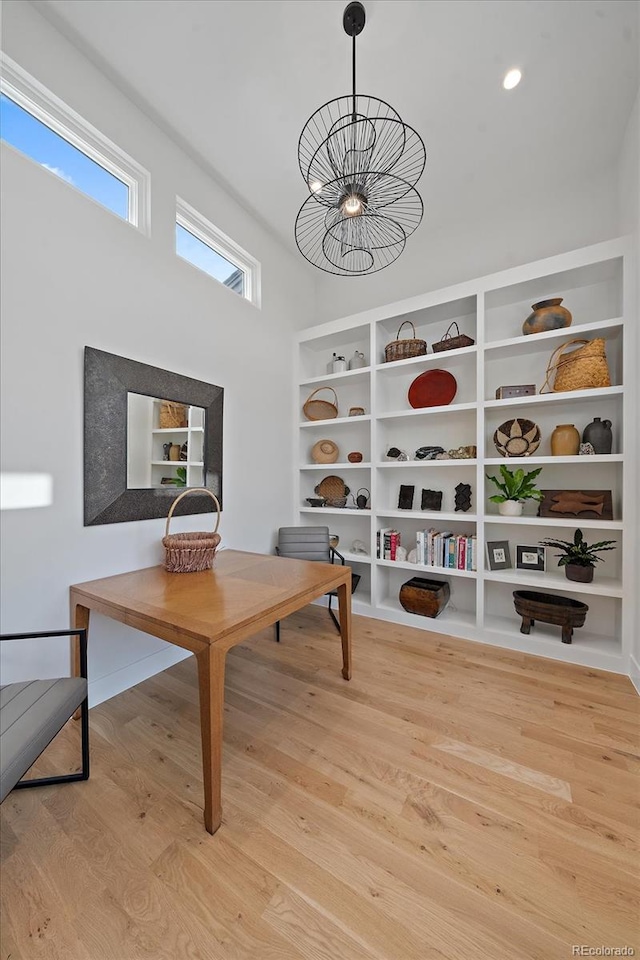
x=451 y=342
x=403 y=349
x=190 y=552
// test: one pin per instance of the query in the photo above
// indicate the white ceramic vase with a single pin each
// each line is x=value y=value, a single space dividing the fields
x=510 y=508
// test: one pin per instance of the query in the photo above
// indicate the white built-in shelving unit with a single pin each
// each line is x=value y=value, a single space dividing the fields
x=596 y=284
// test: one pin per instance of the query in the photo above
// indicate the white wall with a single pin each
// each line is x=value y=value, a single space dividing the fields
x=516 y=233
x=629 y=214
x=73 y=274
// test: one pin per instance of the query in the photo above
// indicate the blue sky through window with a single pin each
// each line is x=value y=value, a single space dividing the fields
x=36 y=140
x=201 y=255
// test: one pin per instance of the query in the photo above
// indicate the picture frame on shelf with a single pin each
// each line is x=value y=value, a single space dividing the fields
x=531 y=557
x=498 y=555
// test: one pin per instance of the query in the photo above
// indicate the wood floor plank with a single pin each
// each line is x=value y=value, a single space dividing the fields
x=453 y=801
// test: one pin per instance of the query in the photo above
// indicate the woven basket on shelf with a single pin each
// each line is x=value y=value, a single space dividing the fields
x=172 y=415
x=449 y=342
x=402 y=349
x=583 y=369
x=324 y=451
x=190 y=552
x=321 y=409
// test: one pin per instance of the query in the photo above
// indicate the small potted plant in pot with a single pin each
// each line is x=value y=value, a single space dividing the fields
x=578 y=557
x=516 y=487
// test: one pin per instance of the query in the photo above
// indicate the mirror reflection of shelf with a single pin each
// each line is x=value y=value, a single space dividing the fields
x=192 y=434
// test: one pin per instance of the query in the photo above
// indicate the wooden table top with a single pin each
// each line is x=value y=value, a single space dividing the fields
x=242 y=590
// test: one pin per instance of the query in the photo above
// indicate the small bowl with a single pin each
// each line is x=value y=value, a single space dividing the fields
x=316 y=501
x=334 y=540
x=354 y=457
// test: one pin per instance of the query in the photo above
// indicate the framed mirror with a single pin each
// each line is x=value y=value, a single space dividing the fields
x=148 y=434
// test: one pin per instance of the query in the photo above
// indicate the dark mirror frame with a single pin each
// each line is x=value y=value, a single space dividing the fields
x=107 y=381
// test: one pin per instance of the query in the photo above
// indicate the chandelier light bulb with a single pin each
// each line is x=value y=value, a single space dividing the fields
x=352 y=206
x=315 y=186
x=512 y=79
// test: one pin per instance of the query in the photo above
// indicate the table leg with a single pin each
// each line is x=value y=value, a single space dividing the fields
x=344 y=604
x=211 y=664
x=80 y=619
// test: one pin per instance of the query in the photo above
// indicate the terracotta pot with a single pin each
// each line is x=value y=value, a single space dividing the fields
x=565 y=441
x=578 y=573
x=510 y=508
x=547 y=315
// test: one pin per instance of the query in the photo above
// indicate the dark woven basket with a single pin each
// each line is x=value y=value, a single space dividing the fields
x=403 y=349
x=449 y=342
x=190 y=552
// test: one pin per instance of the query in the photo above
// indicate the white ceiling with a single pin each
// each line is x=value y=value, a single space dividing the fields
x=236 y=80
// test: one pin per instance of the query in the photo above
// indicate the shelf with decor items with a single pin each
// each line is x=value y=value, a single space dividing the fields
x=463 y=344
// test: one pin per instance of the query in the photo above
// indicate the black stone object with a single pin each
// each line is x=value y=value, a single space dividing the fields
x=107 y=381
x=428 y=453
x=405 y=500
x=431 y=500
x=463 y=497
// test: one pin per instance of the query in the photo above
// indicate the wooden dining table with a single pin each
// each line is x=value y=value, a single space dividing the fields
x=210 y=612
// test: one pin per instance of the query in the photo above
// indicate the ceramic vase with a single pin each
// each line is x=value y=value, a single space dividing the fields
x=578 y=573
x=598 y=434
x=565 y=441
x=510 y=508
x=547 y=315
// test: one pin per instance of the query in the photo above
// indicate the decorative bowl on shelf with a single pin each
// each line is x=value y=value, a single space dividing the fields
x=517 y=438
x=433 y=388
x=324 y=451
x=316 y=501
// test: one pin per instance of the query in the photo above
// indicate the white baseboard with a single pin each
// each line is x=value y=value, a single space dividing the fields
x=106 y=687
x=634 y=672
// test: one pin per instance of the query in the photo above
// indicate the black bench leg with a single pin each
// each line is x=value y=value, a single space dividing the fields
x=68 y=777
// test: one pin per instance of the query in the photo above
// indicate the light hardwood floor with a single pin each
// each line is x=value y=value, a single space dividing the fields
x=452 y=801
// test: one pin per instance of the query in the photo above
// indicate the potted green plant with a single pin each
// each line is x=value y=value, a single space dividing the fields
x=578 y=557
x=515 y=487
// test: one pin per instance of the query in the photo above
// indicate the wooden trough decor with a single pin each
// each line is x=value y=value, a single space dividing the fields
x=549 y=608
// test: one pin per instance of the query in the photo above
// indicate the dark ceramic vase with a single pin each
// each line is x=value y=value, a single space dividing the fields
x=578 y=573
x=598 y=434
x=547 y=315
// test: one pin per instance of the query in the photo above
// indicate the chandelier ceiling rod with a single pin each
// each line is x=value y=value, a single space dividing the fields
x=353 y=21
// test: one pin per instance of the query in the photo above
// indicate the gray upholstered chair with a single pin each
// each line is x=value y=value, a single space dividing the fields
x=33 y=712
x=311 y=543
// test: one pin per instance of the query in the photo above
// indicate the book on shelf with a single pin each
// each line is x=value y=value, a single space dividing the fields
x=444 y=549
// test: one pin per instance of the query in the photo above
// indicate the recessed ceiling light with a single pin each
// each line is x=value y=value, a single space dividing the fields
x=512 y=79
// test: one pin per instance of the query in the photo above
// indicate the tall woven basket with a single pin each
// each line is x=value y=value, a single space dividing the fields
x=402 y=349
x=190 y=552
x=172 y=415
x=584 y=368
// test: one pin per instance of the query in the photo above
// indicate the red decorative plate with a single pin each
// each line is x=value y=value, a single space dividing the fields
x=433 y=388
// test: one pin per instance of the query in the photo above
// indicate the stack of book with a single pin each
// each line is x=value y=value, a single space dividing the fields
x=387 y=543
x=441 y=548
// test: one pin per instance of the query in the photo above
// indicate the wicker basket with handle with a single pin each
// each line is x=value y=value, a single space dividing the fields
x=449 y=342
x=403 y=349
x=190 y=552
x=582 y=369
x=314 y=409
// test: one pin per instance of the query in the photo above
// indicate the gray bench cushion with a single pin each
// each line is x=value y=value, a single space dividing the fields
x=31 y=714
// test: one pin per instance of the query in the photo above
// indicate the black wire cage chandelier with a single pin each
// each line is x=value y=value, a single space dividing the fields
x=360 y=163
